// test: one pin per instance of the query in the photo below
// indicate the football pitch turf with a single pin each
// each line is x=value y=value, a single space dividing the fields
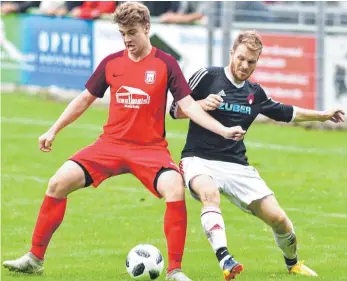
x=306 y=169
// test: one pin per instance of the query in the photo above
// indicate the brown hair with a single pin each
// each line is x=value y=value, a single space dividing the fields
x=251 y=39
x=130 y=13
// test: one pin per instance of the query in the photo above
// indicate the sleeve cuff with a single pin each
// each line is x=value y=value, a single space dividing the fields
x=294 y=114
x=173 y=110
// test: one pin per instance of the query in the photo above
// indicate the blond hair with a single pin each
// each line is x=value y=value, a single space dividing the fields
x=251 y=39
x=131 y=13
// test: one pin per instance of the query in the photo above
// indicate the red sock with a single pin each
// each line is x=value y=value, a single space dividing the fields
x=50 y=217
x=175 y=228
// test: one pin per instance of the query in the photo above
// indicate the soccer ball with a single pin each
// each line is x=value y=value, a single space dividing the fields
x=144 y=262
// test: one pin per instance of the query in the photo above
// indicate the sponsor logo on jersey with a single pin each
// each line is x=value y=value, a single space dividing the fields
x=235 y=108
x=250 y=98
x=132 y=97
x=150 y=77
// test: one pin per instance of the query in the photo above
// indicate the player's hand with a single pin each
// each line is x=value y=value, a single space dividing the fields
x=235 y=133
x=168 y=17
x=211 y=102
x=46 y=140
x=334 y=115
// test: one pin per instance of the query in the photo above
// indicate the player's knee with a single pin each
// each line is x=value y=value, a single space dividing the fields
x=210 y=197
x=177 y=188
x=57 y=187
x=280 y=223
x=173 y=189
x=206 y=190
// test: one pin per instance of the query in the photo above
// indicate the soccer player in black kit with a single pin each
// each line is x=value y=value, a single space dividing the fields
x=212 y=165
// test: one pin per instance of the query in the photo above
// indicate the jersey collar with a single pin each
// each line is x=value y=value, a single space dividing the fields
x=151 y=54
x=231 y=79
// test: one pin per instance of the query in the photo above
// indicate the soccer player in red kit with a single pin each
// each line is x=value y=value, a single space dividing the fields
x=133 y=140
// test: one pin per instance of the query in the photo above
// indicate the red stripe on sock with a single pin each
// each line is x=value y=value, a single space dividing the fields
x=50 y=217
x=175 y=228
x=210 y=212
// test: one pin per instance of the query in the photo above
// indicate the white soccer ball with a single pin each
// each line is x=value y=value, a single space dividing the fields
x=144 y=262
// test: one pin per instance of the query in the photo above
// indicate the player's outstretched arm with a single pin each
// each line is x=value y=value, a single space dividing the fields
x=195 y=112
x=74 y=110
x=334 y=115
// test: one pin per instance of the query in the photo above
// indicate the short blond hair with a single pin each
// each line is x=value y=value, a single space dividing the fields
x=131 y=13
x=251 y=39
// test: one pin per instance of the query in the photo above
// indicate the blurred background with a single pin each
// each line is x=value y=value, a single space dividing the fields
x=54 y=46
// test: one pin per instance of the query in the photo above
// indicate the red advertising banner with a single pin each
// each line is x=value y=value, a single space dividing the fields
x=287 y=69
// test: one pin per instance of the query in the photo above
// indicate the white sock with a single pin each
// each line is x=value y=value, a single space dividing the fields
x=213 y=223
x=287 y=243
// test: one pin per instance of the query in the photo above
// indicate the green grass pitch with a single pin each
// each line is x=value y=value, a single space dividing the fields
x=307 y=170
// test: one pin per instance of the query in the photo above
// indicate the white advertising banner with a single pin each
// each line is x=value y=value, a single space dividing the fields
x=335 y=72
x=107 y=40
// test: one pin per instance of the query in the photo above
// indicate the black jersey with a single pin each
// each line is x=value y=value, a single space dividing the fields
x=241 y=105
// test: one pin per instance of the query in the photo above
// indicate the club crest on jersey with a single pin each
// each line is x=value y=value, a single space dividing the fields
x=150 y=77
x=250 y=98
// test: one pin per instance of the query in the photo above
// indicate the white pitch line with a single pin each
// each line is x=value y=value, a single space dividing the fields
x=177 y=135
x=23 y=177
x=134 y=189
x=333 y=215
x=44 y=180
x=44 y=123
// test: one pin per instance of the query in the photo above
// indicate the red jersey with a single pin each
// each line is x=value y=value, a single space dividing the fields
x=138 y=95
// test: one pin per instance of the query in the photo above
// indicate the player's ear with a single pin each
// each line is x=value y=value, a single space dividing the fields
x=231 y=54
x=147 y=28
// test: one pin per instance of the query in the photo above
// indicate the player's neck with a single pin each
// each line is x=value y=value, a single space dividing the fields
x=231 y=77
x=144 y=53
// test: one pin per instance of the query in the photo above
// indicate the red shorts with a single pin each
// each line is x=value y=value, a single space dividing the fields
x=104 y=159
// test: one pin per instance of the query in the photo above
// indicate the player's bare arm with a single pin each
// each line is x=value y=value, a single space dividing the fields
x=74 y=110
x=210 y=103
x=334 y=115
x=195 y=112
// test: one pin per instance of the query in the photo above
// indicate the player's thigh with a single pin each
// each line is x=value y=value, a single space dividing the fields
x=269 y=210
x=155 y=168
x=170 y=185
x=205 y=188
x=195 y=168
x=69 y=177
x=241 y=184
x=101 y=160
